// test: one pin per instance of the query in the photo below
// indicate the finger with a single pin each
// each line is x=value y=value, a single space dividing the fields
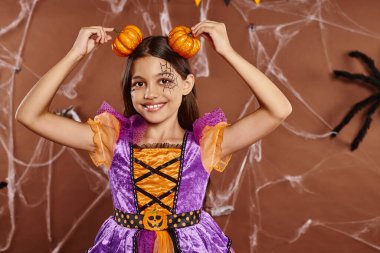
x=197 y=25
x=108 y=29
x=203 y=24
x=195 y=28
x=202 y=29
x=92 y=31
x=107 y=36
x=102 y=34
x=105 y=28
x=99 y=38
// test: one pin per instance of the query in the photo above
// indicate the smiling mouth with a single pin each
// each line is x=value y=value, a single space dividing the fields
x=153 y=108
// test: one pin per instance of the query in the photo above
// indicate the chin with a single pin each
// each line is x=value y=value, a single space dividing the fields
x=150 y=117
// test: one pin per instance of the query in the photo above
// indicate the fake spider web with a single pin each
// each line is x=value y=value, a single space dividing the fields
x=256 y=167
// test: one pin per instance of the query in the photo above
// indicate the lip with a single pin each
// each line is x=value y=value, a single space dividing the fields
x=153 y=109
x=149 y=103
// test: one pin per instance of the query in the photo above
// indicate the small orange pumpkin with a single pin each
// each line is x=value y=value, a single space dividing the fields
x=182 y=41
x=127 y=40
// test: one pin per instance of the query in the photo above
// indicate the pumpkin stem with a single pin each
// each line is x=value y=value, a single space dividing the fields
x=116 y=31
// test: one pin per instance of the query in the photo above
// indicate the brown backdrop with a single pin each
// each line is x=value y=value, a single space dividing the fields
x=296 y=190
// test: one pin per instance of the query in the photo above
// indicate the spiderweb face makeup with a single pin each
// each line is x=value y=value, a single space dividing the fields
x=167 y=79
x=168 y=72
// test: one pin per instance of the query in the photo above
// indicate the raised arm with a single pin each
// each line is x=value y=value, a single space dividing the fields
x=33 y=111
x=275 y=107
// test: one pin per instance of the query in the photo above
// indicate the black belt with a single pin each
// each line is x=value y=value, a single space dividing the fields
x=156 y=219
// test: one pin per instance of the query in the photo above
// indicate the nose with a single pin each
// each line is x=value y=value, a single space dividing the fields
x=151 y=91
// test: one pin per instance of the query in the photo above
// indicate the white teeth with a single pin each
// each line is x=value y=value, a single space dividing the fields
x=154 y=107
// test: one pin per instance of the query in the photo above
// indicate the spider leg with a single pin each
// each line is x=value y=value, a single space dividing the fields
x=365 y=127
x=355 y=76
x=357 y=107
x=368 y=61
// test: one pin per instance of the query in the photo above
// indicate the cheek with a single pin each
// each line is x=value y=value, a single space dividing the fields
x=135 y=94
x=174 y=98
x=172 y=92
x=133 y=98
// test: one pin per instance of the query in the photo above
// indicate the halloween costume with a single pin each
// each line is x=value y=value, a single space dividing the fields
x=158 y=189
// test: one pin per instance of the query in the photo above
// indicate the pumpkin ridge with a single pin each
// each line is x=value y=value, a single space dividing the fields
x=126 y=41
x=135 y=35
x=175 y=36
x=190 y=46
x=176 y=29
x=133 y=39
x=137 y=32
x=121 y=47
x=178 y=45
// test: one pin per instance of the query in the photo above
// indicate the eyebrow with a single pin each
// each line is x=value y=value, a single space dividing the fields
x=159 y=74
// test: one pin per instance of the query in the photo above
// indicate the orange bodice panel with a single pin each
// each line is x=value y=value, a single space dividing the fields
x=155 y=184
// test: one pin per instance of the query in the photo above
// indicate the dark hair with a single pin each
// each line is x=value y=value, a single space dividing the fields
x=158 y=46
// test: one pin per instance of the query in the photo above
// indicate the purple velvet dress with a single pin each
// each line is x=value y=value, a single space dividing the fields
x=205 y=236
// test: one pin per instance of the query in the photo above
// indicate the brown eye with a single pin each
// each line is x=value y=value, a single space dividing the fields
x=167 y=81
x=136 y=84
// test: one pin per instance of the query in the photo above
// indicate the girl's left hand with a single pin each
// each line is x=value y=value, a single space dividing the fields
x=216 y=34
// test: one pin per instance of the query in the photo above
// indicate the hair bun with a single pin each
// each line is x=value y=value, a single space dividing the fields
x=182 y=41
x=127 y=40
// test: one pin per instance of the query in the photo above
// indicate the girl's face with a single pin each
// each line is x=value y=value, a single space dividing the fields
x=157 y=89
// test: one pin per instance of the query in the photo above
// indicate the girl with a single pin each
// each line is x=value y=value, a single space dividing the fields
x=159 y=153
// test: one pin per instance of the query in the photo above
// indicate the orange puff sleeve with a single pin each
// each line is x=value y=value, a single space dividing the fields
x=106 y=128
x=208 y=133
x=210 y=145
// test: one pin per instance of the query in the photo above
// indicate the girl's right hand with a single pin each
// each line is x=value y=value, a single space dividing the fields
x=85 y=43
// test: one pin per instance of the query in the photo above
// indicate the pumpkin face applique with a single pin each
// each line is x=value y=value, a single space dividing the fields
x=155 y=219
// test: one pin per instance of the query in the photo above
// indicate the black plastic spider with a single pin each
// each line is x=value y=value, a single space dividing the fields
x=374 y=100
